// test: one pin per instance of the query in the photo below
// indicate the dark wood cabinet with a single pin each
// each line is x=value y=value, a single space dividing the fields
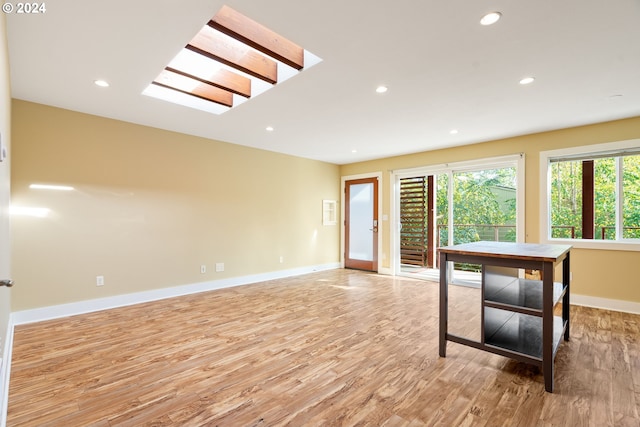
x=521 y=318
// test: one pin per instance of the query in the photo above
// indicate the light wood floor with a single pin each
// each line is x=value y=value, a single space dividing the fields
x=337 y=348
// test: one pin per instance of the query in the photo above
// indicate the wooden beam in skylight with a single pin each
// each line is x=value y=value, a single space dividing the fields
x=193 y=87
x=222 y=48
x=259 y=37
x=223 y=79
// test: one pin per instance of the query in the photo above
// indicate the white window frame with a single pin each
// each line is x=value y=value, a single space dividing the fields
x=545 y=191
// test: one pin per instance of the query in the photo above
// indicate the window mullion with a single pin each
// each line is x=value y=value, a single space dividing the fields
x=450 y=191
x=619 y=198
x=588 y=199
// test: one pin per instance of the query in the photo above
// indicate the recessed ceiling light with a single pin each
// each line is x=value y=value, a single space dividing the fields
x=453 y=131
x=490 y=18
x=101 y=83
x=269 y=128
x=354 y=151
x=527 y=80
x=382 y=89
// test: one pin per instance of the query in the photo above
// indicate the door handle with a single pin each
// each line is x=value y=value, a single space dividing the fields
x=8 y=283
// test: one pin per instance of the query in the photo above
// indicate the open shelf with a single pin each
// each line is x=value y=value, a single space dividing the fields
x=517 y=332
x=518 y=293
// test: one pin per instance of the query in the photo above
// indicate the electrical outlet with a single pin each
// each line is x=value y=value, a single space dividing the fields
x=99 y=280
x=281 y=259
x=219 y=266
x=203 y=269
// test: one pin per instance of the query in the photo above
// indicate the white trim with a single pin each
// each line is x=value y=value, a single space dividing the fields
x=467 y=165
x=5 y=373
x=343 y=181
x=619 y=198
x=606 y=303
x=385 y=271
x=81 y=307
x=621 y=245
x=545 y=209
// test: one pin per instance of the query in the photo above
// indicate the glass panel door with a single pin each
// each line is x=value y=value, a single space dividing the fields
x=361 y=224
x=470 y=205
x=484 y=208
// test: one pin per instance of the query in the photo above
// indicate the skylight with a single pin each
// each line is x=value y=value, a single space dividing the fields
x=230 y=60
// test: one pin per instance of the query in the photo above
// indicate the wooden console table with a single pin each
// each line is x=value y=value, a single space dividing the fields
x=517 y=317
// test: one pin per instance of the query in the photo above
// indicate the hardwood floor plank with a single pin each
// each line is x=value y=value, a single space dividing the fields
x=334 y=348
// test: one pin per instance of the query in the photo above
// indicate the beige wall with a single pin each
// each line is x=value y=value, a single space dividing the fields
x=597 y=273
x=5 y=131
x=150 y=206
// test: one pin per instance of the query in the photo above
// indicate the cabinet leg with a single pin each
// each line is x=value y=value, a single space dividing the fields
x=566 y=282
x=547 y=326
x=547 y=371
x=444 y=300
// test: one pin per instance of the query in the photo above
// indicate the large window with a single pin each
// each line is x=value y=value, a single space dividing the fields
x=592 y=195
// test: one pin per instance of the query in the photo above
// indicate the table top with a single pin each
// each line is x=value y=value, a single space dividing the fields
x=525 y=251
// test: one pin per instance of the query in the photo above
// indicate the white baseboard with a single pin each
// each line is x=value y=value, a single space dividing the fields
x=606 y=303
x=385 y=271
x=88 y=306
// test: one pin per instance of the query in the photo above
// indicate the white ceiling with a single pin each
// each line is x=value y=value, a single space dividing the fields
x=444 y=70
